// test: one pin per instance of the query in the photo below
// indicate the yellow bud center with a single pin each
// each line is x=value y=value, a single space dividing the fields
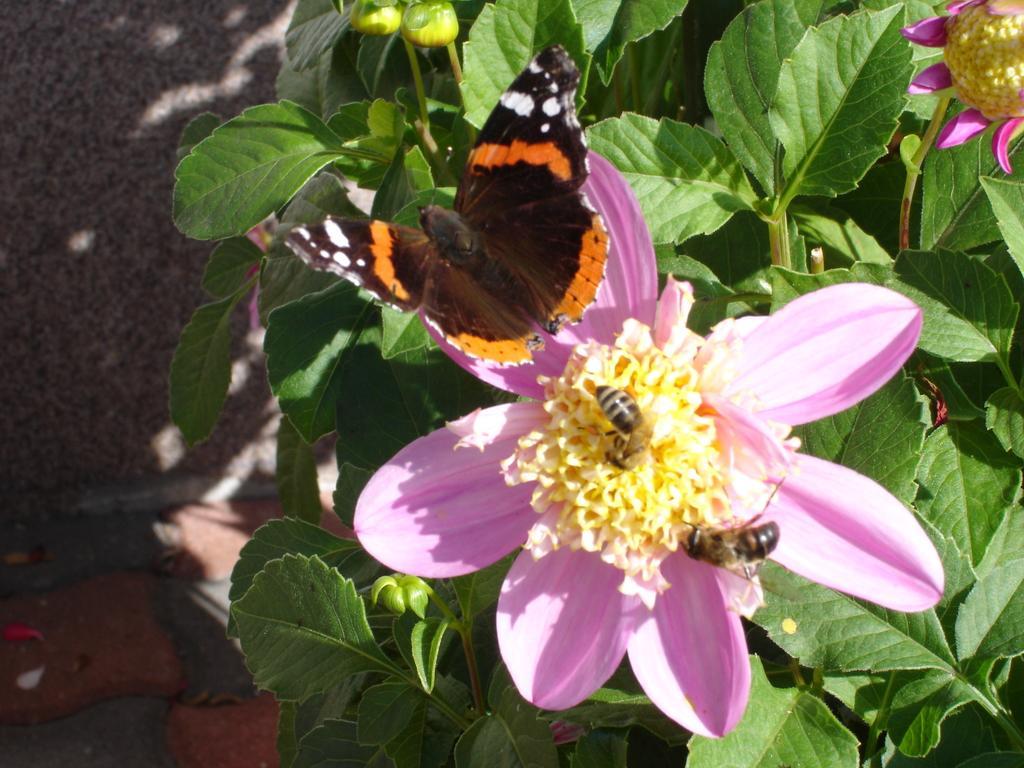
x=985 y=54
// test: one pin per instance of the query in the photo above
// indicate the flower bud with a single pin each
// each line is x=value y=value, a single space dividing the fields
x=416 y=594
x=372 y=18
x=432 y=24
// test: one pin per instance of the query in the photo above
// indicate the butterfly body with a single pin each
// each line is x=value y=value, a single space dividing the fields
x=521 y=254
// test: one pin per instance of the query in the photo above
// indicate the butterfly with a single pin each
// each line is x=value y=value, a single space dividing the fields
x=522 y=250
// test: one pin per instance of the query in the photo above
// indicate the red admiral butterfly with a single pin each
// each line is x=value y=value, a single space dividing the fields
x=522 y=248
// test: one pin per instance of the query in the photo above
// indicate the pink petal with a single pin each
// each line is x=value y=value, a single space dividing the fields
x=827 y=350
x=690 y=655
x=435 y=511
x=955 y=8
x=747 y=442
x=1001 y=139
x=961 y=128
x=562 y=625
x=937 y=77
x=629 y=288
x=673 y=309
x=16 y=632
x=930 y=32
x=845 y=531
x=1005 y=7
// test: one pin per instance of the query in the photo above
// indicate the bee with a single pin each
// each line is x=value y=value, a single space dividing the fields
x=741 y=550
x=632 y=432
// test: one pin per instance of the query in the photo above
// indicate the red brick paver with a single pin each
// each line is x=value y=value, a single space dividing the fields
x=101 y=641
x=231 y=736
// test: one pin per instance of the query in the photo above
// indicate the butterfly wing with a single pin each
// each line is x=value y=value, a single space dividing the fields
x=521 y=192
x=391 y=262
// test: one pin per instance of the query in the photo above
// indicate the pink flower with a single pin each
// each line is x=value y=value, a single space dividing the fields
x=983 y=52
x=605 y=570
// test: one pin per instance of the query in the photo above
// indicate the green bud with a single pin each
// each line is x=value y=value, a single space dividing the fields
x=432 y=24
x=372 y=18
x=416 y=593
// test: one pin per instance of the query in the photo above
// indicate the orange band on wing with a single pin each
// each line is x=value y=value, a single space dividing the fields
x=382 y=246
x=583 y=289
x=544 y=153
x=498 y=350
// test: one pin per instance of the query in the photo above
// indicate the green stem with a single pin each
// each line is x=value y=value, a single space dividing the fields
x=417 y=77
x=465 y=630
x=474 y=671
x=453 y=57
x=778 y=239
x=907 y=202
x=1013 y=733
x=798 y=676
x=879 y=722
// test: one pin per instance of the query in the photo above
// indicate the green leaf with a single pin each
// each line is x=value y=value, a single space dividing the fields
x=248 y=168
x=742 y=74
x=511 y=736
x=290 y=536
x=880 y=437
x=385 y=710
x=687 y=181
x=296 y=476
x=395 y=192
x=838 y=100
x=334 y=745
x=1007 y=200
x=959 y=405
x=990 y=623
x=610 y=707
x=600 y=749
x=425 y=644
x=502 y=41
x=201 y=370
x=875 y=203
x=229 y=266
x=287 y=743
x=780 y=727
x=969 y=314
x=303 y=628
x=995 y=760
x=843 y=240
x=332 y=82
x=965 y=735
x=198 y=128
x=403 y=332
x=913 y=704
x=955 y=209
x=788 y=284
x=1004 y=416
x=388 y=403
x=425 y=742
x=966 y=484
x=315 y=27
x=309 y=343
x=839 y=632
x=608 y=25
x=351 y=481
x=478 y=591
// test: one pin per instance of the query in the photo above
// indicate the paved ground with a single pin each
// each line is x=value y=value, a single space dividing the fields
x=96 y=281
x=133 y=668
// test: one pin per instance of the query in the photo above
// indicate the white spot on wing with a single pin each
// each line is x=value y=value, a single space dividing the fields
x=535 y=68
x=520 y=103
x=304 y=232
x=360 y=263
x=551 y=107
x=553 y=87
x=342 y=259
x=325 y=253
x=545 y=128
x=334 y=232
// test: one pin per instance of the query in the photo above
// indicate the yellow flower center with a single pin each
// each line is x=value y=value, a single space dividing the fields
x=634 y=517
x=985 y=54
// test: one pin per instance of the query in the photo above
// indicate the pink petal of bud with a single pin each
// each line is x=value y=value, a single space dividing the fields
x=961 y=128
x=1005 y=7
x=954 y=8
x=1001 y=141
x=930 y=32
x=937 y=77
